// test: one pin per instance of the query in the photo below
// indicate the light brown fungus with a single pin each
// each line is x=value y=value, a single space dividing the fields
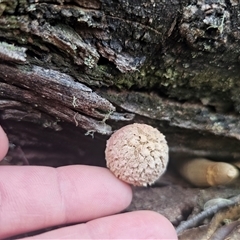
x=137 y=154
x=202 y=172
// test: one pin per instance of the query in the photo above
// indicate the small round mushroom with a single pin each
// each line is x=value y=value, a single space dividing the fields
x=137 y=154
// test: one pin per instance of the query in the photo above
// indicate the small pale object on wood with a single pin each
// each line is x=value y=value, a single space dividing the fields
x=137 y=154
x=204 y=173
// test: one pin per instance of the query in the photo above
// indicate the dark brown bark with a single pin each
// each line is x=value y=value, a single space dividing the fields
x=99 y=65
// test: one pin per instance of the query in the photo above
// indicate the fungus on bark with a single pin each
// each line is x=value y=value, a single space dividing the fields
x=137 y=154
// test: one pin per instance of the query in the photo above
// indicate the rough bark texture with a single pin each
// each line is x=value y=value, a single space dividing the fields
x=172 y=64
x=73 y=67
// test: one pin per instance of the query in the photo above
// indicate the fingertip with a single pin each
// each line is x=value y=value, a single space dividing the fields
x=161 y=227
x=132 y=225
x=106 y=192
x=124 y=189
x=3 y=143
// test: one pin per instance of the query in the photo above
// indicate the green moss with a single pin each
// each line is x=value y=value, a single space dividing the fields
x=182 y=80
x=8 y=6
x=216 y=80
x=2 y=8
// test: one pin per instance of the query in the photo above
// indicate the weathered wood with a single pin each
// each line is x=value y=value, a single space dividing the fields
x=101 y=64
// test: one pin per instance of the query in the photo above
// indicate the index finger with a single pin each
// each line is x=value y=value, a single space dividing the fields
x=33 y=198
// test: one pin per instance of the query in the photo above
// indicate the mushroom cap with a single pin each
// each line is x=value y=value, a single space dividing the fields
x=137 y=154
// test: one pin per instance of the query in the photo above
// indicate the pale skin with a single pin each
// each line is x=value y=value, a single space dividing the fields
x=33 y=198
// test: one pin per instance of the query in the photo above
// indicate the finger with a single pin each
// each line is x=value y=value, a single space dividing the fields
x=3 y=144
x=33 y=198
x=133 y=225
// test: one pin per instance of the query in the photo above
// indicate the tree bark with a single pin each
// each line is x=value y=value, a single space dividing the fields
x=74 y=67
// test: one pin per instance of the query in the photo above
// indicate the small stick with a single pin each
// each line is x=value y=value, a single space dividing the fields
x=204 y=214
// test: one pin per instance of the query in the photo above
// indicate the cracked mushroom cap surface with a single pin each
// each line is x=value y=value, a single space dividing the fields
x=137 y=154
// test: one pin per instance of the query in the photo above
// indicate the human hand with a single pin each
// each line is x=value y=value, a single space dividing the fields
x=33 y=198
